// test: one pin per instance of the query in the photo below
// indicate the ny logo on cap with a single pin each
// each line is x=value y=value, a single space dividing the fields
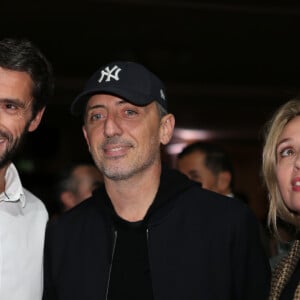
x=108 y=74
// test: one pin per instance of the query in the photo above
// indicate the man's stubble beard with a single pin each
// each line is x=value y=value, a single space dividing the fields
x=133 y=168
x=13 y=146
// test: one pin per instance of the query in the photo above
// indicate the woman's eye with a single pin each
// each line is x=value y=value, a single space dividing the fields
x=286 y=152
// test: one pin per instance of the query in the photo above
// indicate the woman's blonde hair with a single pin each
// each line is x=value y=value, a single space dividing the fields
x=273 y=130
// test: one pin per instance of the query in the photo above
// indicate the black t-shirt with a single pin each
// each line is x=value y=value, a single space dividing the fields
x=130 y=276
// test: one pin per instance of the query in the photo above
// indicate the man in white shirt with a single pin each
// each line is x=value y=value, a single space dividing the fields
x=26 y=84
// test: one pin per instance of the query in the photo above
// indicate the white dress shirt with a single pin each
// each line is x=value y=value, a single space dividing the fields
x=23 y=219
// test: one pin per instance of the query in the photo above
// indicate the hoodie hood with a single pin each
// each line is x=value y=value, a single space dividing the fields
x=172 y=184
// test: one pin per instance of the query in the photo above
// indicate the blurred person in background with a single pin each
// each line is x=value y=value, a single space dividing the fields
x=76 y=183
x=209 y=165
x=26 y=84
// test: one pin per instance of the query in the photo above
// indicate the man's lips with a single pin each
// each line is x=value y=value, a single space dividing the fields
x=115 y=150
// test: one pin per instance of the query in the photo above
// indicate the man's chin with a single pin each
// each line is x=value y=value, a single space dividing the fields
x=117 y=173
x=117 y=176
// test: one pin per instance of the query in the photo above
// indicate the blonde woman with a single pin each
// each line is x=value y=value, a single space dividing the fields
x=281 y=173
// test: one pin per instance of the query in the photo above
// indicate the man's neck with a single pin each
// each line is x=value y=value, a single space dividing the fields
x=131 y=198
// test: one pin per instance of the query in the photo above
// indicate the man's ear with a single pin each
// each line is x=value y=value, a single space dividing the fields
x=34 y=123
x=86 y=136
x=224 y=179
x=167 y=125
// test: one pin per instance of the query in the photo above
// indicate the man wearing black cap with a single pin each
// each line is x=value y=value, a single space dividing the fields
x=150 y=232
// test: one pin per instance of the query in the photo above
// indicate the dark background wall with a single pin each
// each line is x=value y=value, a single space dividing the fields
x=226 y=66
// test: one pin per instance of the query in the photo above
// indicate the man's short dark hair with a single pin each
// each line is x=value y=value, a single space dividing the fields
x=22 y=55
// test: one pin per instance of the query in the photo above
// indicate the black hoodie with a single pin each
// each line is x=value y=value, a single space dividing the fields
x=201 y=245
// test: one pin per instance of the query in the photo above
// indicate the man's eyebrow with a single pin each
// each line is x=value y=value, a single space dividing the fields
x=13 y=101
x=91 y=107
x=121 y=102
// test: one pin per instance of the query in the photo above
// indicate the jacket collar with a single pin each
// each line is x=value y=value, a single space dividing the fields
x=172 y=183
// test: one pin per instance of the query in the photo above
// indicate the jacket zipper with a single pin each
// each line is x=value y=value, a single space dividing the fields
x=149 y=260
x=111 y=262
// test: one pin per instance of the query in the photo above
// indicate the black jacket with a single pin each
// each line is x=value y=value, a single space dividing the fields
x=201 y=246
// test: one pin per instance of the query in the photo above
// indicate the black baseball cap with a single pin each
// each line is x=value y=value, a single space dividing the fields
x=128 y=80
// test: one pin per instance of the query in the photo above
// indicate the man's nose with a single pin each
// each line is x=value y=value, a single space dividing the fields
x=112 y=126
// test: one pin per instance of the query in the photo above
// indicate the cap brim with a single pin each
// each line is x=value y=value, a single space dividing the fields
x=78 y=105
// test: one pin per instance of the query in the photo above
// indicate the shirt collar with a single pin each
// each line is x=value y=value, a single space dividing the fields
x=13 y=187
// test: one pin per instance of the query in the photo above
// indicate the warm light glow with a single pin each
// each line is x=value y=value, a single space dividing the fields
x=193 y=134
x=182 y=137
x=185 y=136
x=174 y=149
